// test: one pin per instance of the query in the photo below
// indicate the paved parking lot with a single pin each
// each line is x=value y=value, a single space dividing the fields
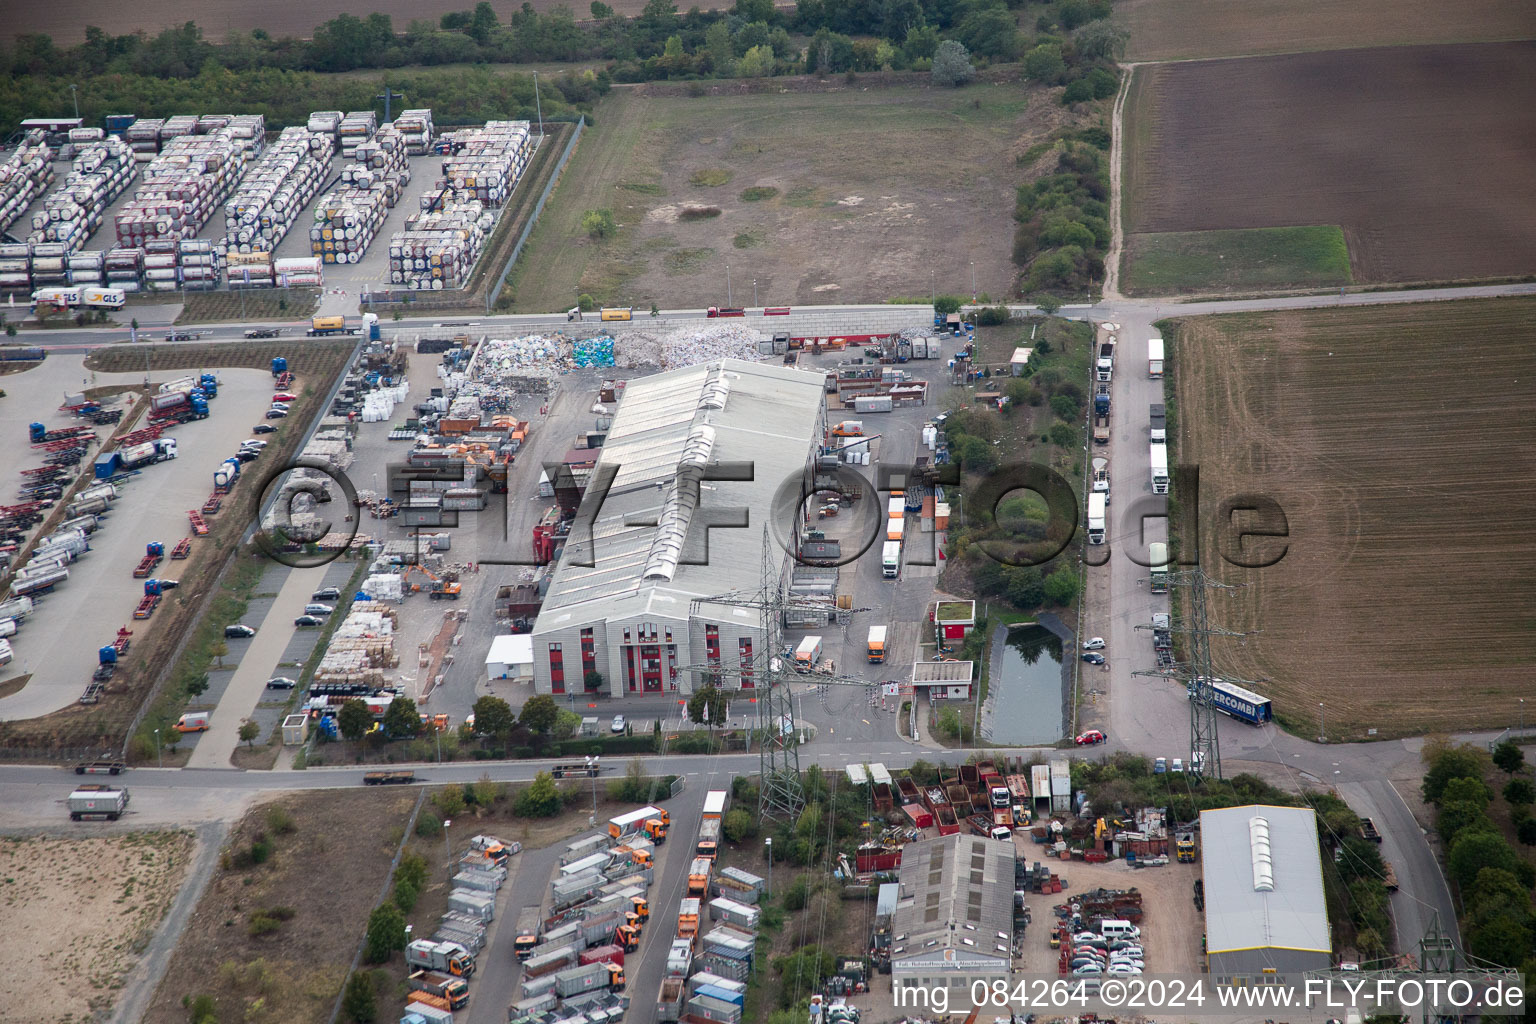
x=58 y=643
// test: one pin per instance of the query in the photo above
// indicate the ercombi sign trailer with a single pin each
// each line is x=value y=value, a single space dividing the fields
x=1159 y=459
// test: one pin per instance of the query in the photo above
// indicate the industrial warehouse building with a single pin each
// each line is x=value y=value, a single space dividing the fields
x=649 y=544
x=1264 y=906
x=954 y=918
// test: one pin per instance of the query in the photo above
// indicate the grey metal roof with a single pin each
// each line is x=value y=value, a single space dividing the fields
x=925 y=673
x=651 y=522
x=956 y=892
x=1238 y=862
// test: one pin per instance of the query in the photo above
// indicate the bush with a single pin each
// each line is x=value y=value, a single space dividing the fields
x=1519 y=792
x=798 y=893
x=386 y=933
x=450 y=800
x=405 y=896
x=359 y=1004
x=952 y=64
x=599 y=224
x=428 y=824
x=540 y=800
x=991 y=316
x=947 y=304
x=738 y=825
x=279 y=820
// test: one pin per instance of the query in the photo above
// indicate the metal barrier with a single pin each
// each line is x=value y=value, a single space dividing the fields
x=538 y=208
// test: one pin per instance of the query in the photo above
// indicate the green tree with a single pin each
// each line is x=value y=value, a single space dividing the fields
x=1044 y=63
x=1526 y=831
x=386 y=933
x=1458 y=817
x=353 y=719
x=1063 y=435
x=717 y=43
x=249 y=730
x=601 y=11
x=482 y=24
x=358 y=1004
x=992 y=33
x=807 y=966
x=1474 y=851
x=599 y=223
x=1065 y=407
x=539 y=713
x=947 y=304
x=952 y=64
x=757 y=62
x=1450 y=762
x=493 y=717
x=1508 y=757
x=1026 y=588
x=1502 y=941
x=219 y=649
x=1061 y=587
x=540 y=800
x=922 y=42
x=450 y=800
x=737 y=825
x=401 y=719
x=1474 y=791
x=708 y=704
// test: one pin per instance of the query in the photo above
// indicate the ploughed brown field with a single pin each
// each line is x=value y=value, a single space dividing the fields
x=66 y=20
x=1185 y=29
x=1422 y=154
x=1398 y=442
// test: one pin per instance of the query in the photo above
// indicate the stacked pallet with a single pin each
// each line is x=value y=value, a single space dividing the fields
x=438 y=250
x=355 y=129
x=416 y=127
x=346 y=221
x=24 y=177
x=276 y=190
x=183 y=186
x=362 y=647
x=73 y=212
x=489 y=163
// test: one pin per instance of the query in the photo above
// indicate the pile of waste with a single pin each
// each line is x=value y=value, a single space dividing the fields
x=689 y=345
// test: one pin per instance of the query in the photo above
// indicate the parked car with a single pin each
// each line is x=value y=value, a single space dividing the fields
x=239 y=631
x=247 y=455
x=1094 y=658
x=1094 y=644
x=1160 y=766
x=1091 y=737
x=283 y=396
x=1178 y=765
x=618 y=724
x=276 y=414
x=281 y=683
x=326 y=594
x=263 y=428
x=253 y=443
x=309 y=620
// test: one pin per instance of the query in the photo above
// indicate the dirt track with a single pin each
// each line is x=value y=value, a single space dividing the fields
x=1421 y=154
x=1392 y=439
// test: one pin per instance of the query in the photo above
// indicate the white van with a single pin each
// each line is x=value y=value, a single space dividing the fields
x=1119 y=930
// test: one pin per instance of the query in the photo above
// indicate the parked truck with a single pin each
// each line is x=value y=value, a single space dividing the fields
x=445 y=986
x=1096 y=517
x=651 y=822
x=876 y=650
x=1157 y=415
x=808 y=653
x=527 y=933
x=1157 y=553
x=1101 y=427
x=1104 y=365
x=322 y=326
x=688 y=919
x=1159 y=463
x=708 y=844
x=97 y=802
x=443 y=957
x=1154 y=357
x=698 y=876
x=1101 y=400
x=177 y=407
x=669 y=1001
x=890 y=559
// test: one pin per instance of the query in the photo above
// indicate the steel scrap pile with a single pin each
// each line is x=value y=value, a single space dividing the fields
x=689 y=345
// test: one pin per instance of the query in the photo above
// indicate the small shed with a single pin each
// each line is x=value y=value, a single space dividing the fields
x=295 y=730
x=511 y=657
x=1020 y=360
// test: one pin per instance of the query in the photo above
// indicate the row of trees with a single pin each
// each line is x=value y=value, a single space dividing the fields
x=1494 y=882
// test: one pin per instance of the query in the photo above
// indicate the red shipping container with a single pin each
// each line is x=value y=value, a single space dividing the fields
x=609 y=954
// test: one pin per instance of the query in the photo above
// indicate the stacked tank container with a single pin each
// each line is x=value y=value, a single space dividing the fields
x=300 y=272
x=183 y=186
x=143 y=137
x=199 y=263
x=125 y=267
x=416 y=127
x=86 y=267
x=490 y=161
x=73 y=212
x=325 y=122
x=48 y=264
x=160 y=270
x=276 y=190
x=438 y=250
x=380 y=164
x=249 y=269
x=24 y=177
x=16 y=267
x=346 y=221
x=356 y=128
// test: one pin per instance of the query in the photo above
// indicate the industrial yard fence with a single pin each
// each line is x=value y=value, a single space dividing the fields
x=538 y=208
